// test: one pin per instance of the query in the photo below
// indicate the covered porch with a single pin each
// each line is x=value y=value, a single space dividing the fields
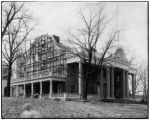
x=50 y=87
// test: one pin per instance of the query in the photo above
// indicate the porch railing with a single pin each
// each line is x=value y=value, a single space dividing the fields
x=39 y=74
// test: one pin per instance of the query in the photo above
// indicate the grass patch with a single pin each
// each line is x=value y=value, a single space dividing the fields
x=11 y=108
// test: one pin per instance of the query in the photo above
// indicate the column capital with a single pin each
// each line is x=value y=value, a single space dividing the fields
x=81 y=61
x=108 y=65
x=112 y=66
x=132 y=74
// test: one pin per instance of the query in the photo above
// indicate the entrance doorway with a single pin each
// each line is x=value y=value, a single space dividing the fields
x=28 y=90
x=60 y=88
x=117 y=84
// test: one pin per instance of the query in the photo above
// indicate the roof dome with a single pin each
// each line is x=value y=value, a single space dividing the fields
x=120 y=54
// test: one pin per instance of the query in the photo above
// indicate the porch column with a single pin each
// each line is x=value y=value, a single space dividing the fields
x=123 y=84
x=17 y=91
x=31 y=89
x=80 y=79
x=50 y=89
x=108 y=82
x=127 y=85
x=11 y=91
x=24 y=92
x=101 y=83
x=98 y=86
x=133 y=86
x=40 y=89
x=112 y=82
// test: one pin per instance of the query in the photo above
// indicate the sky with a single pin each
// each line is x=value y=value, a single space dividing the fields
x=60 y=17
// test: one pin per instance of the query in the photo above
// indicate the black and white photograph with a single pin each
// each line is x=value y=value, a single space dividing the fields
x=74 y=59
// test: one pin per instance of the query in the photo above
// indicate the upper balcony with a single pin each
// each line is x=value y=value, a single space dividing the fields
x=38 y=75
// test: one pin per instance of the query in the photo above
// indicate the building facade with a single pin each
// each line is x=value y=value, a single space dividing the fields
x=49 y=70
x=4 y=78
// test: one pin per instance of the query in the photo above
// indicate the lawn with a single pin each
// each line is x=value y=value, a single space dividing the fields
x=11 y=108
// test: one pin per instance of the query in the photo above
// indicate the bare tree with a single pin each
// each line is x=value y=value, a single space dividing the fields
x=132 y=62
x=143 y=86
x=136 y=84
x=16 y=28
x=85 y=41
x=141 y=82
x=11 y=12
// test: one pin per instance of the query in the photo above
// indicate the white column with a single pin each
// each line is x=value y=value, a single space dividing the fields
x=101 y=83
x=133 y=86
x=127 y=85
x=31 y=89
x=80 y=79
x=123 y=84
x=40 y=89
x=112 y=83
x=98 y=86
x=24 y=90
x=11 y=91
x=17 y=91
x=50 y=89
x=108 y=81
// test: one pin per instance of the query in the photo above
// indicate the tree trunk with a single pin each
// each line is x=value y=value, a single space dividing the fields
x=85 y=84
x=8 y=80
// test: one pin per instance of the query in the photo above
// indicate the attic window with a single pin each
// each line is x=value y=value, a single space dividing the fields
x=49 y=38
x=22 y=64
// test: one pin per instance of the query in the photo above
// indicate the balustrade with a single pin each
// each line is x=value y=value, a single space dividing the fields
x=40 y=74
